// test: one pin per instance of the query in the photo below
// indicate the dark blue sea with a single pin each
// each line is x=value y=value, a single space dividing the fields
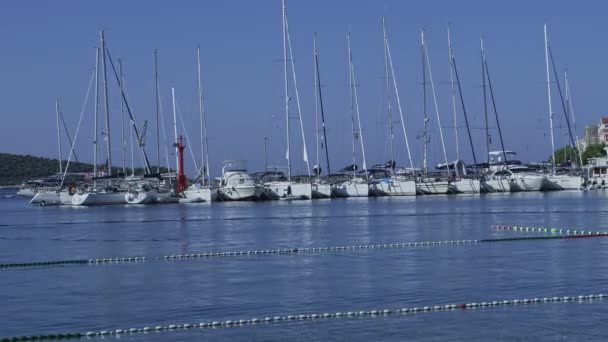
x=82 y=298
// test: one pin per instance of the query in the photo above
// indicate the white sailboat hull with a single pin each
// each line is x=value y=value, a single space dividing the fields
x=288 y=190
x=497 y=185
x=143 y=197
x=44 y=198
x=320 y=190
x=27 y=192
x=351 y=189
x=432 y=187
x=239 y=193
x=563 y=182
x=98 y=198
x=202 y=195
x=526 y=183
x=393 y=187
x=466 y=186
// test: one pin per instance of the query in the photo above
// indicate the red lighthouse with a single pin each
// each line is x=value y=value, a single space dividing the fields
x=181 y=178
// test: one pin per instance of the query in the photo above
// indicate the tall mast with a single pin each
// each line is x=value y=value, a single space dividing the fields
x=561 y=96
x=571 y=109
x=549 y=98
x=288 y=154
x=428 y=62
x=352 y=69
x=157 y=90
x=314 y=49
x=132 y=154
x=502 y=143
x=126 y=102
x=426 y=119
x=95 y=147
x=200 y=112
x=107 y=107
x=175 y=131
x=464 y=112
x=388 y=95
x=390 y=62
x=485 y=101
x=204 y=144
x=295 y=88
x=451 y=54
x=122 y=120
x=352 y=103
x=320 y=97
x=58 y=136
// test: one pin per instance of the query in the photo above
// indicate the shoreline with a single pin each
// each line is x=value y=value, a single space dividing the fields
x=3 y=187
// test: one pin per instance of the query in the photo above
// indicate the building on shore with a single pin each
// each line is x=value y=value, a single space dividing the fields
x=595 y=134
x=602 y=131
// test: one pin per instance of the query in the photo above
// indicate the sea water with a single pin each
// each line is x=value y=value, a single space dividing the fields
x=81 y=298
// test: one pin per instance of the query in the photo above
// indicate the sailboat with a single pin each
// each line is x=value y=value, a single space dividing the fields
x=396 y=184
x=194 y=193
x=558 y=181
x=462 y=183
x=200 y=190
x=139 y=190
x=110 y=192
x=289 y=189
x=430 y=185
x=57 y=195
x=357 y=186
x=320 y=187
x=108 y=188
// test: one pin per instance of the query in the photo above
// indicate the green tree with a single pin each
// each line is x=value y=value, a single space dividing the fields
x=593 y=151
x=566 y=154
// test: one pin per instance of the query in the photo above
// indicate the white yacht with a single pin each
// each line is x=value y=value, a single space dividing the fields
x=433 y=186
x=384 y=184
x=596 y=172
x=355 y=187
x=195 y=193
x=236 y=184
x=564 y=182
x=397 y=186
x=288 y=190
x=51 y=197
x=498 y=181
x=519 y=178
x=27 y=192
x=466 y=186
x=98 y=196
x=320 y=188
x=141 y=192
x=524 y=179
x=461 y=182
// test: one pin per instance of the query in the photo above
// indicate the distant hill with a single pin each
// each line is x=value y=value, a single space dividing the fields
x=15 y=168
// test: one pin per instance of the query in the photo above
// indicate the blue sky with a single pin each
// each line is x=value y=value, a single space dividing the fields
x=48 y=52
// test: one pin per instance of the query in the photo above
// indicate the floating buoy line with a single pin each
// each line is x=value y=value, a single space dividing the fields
x=577 y=232
x=306 y=250
x=308 y=317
